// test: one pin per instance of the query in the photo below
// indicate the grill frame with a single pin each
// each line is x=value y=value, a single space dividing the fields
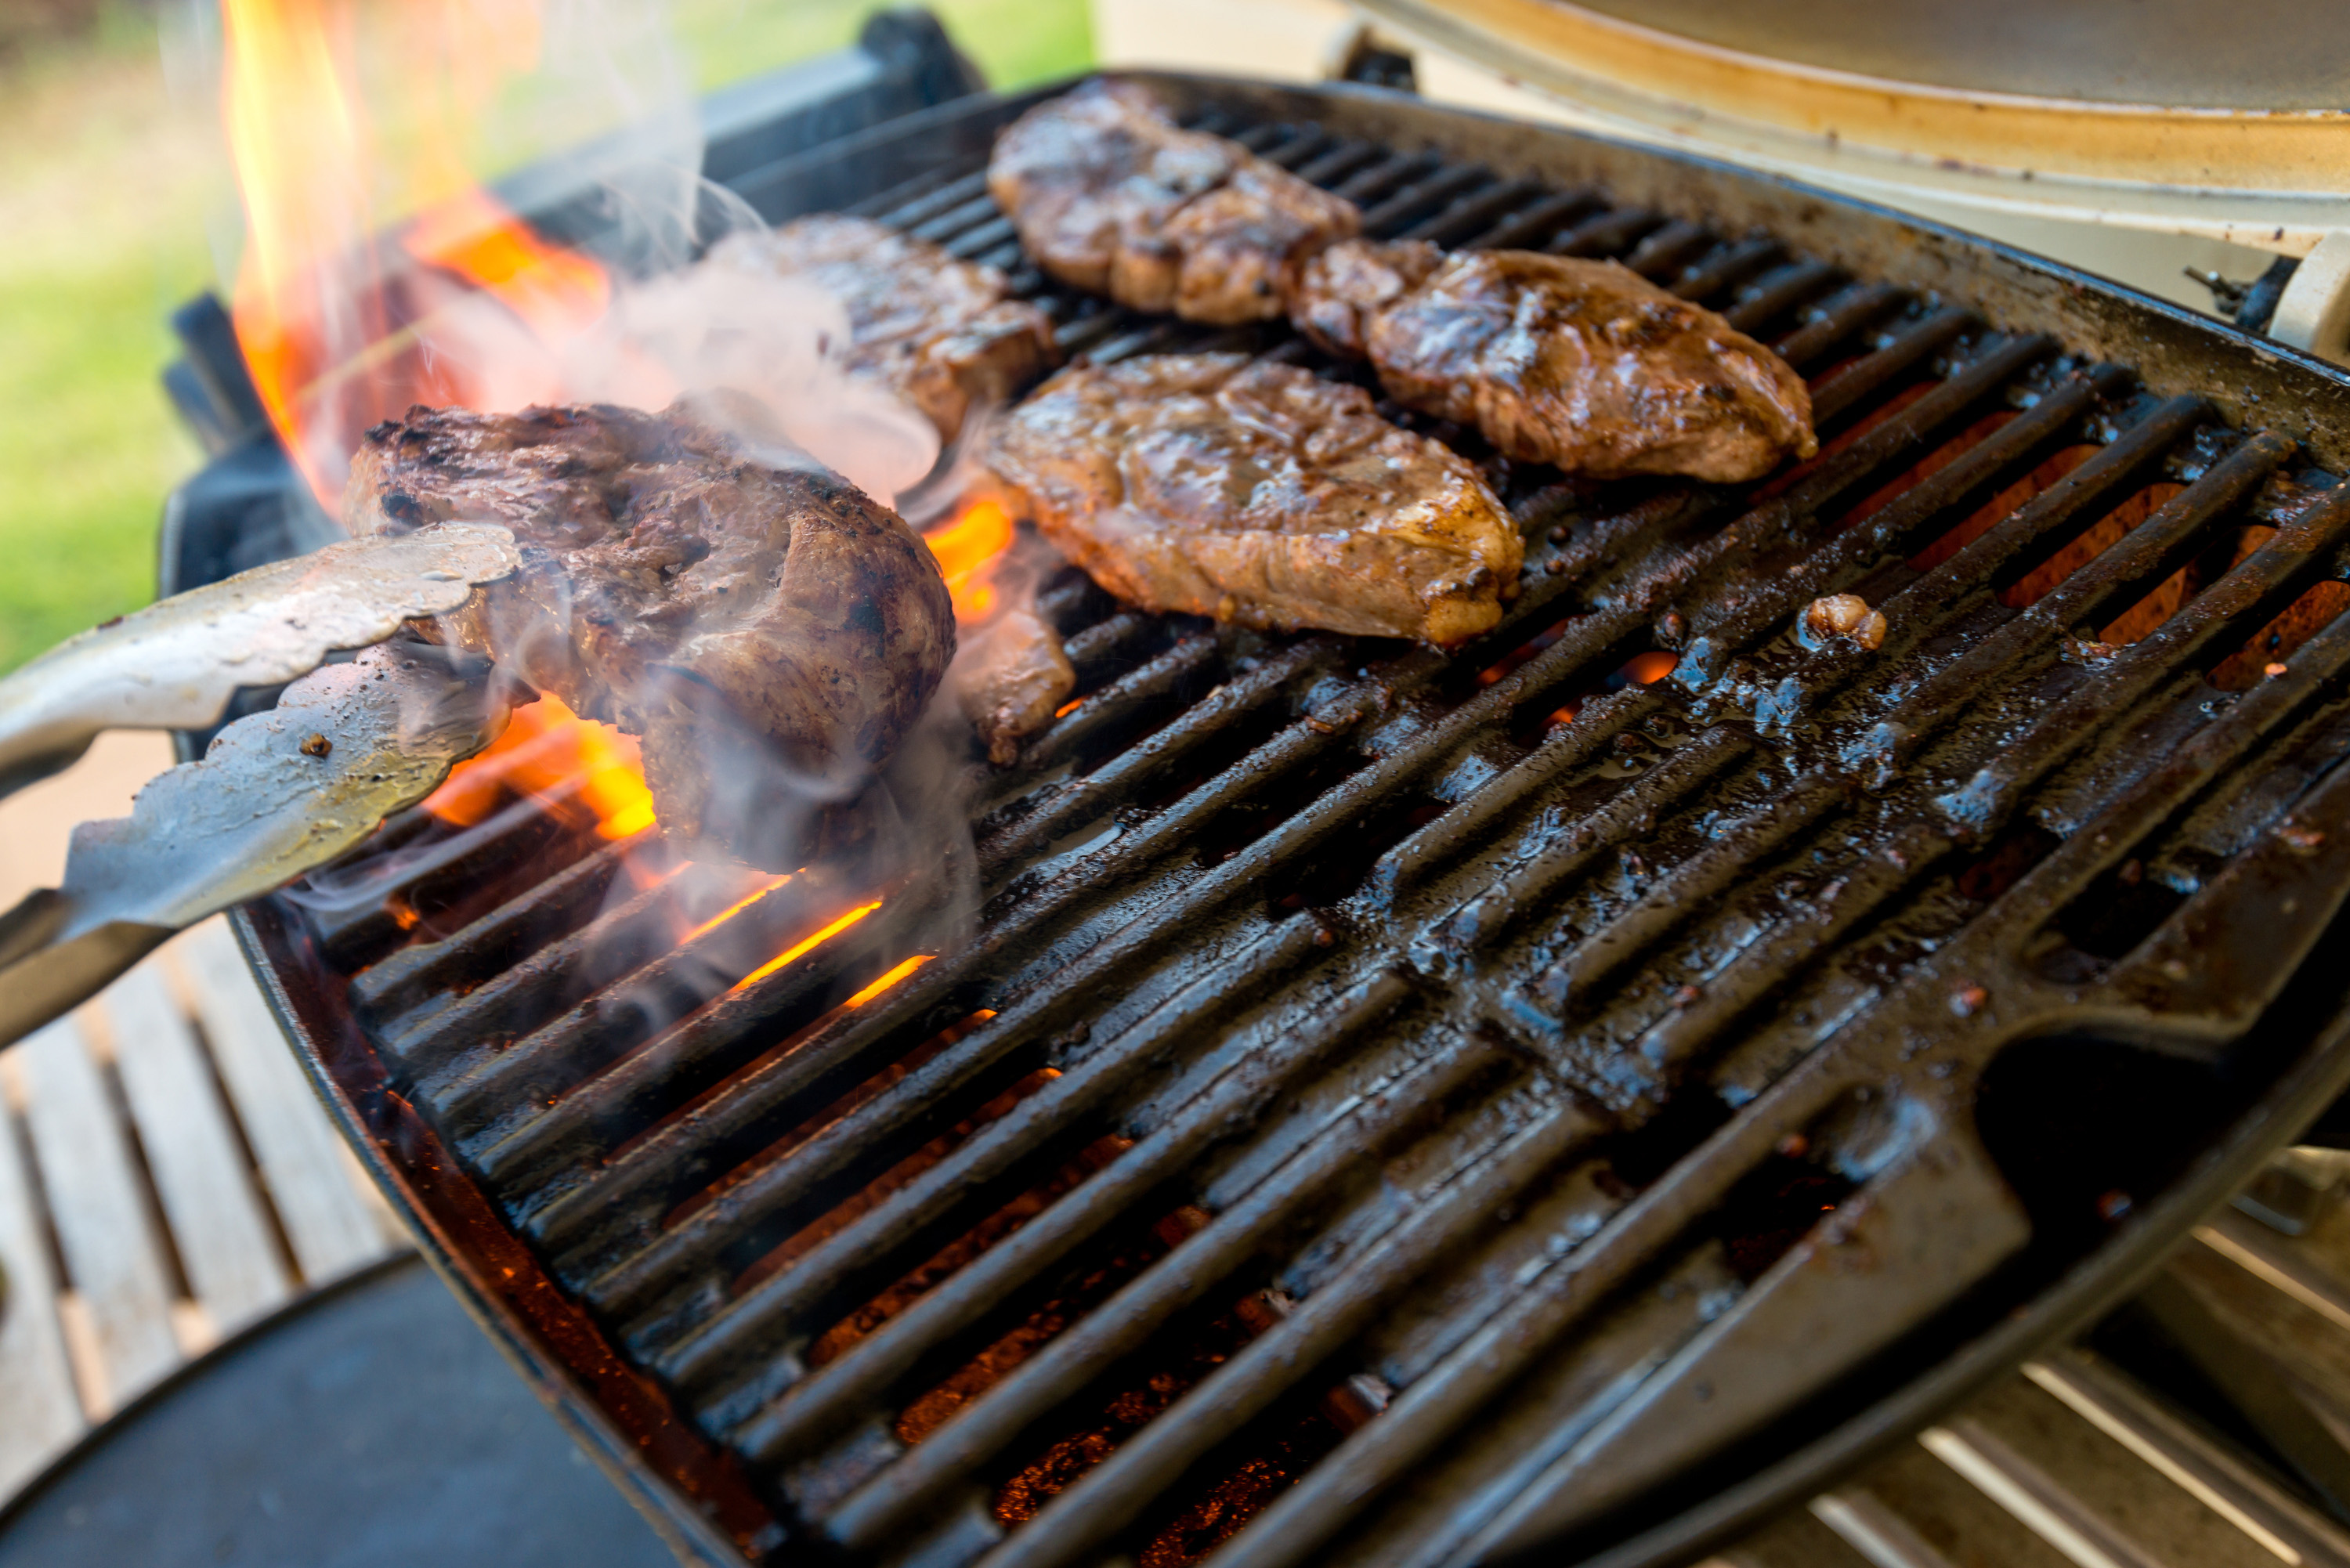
x=527 y=1315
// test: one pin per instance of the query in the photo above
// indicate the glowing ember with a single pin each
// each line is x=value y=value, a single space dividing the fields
x=547 y=753
x=801 y=949
x=764 y=887
x=1648 y=669
x=886 y=981
x=968 y=550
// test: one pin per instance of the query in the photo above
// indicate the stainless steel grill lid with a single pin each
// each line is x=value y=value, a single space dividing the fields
x=2162 y=116
x=2180 y=54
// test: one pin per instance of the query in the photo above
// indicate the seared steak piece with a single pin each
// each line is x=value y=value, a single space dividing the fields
x=770 y=633
x=1110 y=195
x=1011 y=680
x=941 y=333
x=1581 y=363
x=1213 y=484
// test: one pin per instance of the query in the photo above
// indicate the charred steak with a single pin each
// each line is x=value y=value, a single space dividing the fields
x=1213 y=484
x=1109 y=195
x=945 y=335
x=1580 y=363
x=770 y=633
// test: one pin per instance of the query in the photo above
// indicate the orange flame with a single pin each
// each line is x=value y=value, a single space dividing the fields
x=968 y=550
x=801 y=949
x=300 y=149
x=547 y=748
x=330 y=324
x=559 y=294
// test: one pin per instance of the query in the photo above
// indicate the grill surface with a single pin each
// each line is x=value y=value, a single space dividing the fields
x=1399 y=1109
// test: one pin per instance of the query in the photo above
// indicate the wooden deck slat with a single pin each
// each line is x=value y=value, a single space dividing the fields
x=40 y=1412
x=225 y=1247
x=331 y=1228
x=111 y=1251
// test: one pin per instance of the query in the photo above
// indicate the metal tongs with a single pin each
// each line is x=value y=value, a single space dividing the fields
x=279 y=793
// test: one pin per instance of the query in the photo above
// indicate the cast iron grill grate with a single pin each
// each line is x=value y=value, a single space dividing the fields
x=1399 y=1108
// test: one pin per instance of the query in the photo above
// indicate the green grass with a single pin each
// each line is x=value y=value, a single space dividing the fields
x=103 y=205
x=87 y=450
x=1016 y=43
x=106 y=190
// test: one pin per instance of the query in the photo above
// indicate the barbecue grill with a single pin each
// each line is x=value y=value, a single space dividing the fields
x=1572 y=1095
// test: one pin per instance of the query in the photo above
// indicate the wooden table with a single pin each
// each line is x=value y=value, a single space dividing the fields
x=166 y=1179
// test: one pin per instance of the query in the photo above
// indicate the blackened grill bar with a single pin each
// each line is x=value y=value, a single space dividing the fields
x=1466 y=1052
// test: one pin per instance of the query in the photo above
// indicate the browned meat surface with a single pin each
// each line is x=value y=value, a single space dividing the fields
x=1109 y=195
x=1215 y=485
x=943 y=334
x=1580 y=363
x=765 y=631
x=1011 y=680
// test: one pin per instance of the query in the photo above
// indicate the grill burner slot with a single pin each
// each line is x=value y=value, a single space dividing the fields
x=1398 y=1106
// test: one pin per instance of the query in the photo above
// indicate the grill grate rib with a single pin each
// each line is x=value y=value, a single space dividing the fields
x=1437 y=1011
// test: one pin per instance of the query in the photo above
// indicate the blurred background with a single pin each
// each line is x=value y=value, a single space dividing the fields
x=113 y=188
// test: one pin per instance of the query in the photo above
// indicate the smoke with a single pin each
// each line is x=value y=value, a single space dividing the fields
x=771 y=345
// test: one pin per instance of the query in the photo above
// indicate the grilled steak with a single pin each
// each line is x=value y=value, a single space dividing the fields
x=1110 y=195
x=1580 y=363
x=1216 y=485
x=941 y=333
x=753 y=625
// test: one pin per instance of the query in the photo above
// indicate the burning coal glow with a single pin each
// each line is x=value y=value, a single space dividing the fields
x=889 y=980
x=806 y=945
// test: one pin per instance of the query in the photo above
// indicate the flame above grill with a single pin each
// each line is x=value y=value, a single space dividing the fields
x=331 y=323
